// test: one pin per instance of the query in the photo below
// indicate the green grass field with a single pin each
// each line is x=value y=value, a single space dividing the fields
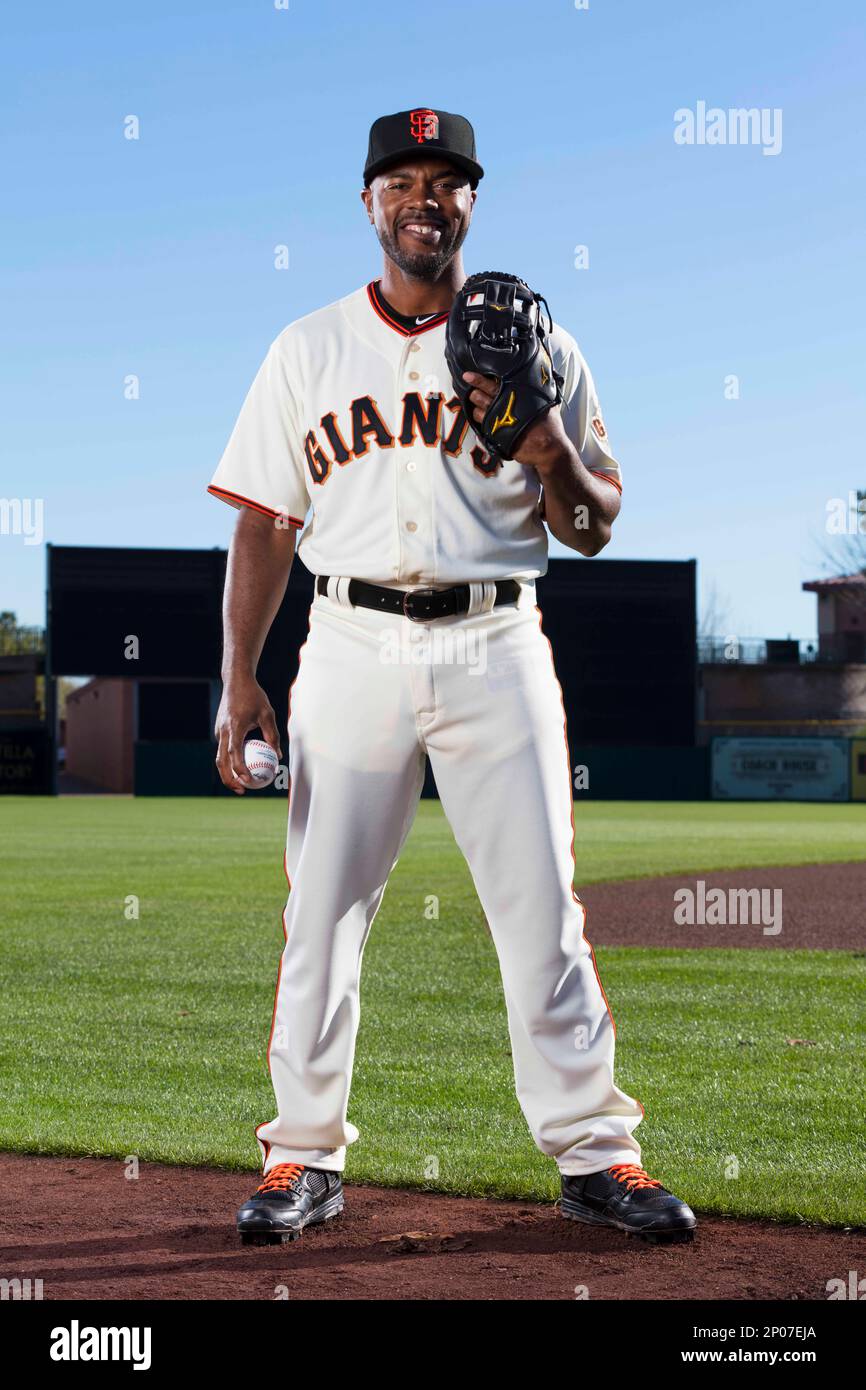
x=148 y=1036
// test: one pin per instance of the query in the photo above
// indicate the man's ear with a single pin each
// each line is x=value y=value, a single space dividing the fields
x=367 y=200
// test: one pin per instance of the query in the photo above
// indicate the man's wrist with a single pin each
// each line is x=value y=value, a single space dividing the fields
x=557 y=460
x=237 y=671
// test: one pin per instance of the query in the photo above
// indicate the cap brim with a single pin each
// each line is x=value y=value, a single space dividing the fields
x=469 y=166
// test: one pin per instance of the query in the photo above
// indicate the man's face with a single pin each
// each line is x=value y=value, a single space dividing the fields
x=421 y=210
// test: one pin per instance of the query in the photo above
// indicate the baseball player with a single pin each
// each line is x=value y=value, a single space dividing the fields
x=424 y=642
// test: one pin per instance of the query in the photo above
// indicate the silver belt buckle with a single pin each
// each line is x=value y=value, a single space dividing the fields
x=407 y=598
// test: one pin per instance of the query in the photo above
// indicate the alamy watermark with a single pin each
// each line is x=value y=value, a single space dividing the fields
x=846 y=516
x=732 y=907
x=435 y=646
x=23 y=516
x=739 y=125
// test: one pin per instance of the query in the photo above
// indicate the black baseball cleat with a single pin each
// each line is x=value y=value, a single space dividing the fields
x=625 y=1196
x=290 y=1198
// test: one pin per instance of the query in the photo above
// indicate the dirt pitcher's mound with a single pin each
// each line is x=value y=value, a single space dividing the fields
x=87 y=1232
x=821 y=907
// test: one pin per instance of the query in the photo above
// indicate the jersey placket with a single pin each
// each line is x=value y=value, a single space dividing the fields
x=414 y=481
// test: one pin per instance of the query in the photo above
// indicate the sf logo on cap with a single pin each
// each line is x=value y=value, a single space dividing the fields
x=424 y=125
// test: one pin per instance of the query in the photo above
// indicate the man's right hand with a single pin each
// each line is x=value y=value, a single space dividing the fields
x=244 y=706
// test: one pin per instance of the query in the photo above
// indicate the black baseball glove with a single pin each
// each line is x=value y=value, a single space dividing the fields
x=495 y=328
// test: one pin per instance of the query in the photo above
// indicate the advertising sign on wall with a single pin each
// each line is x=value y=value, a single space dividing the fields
x=858 y=769
x=26 y=761
x=781 y=769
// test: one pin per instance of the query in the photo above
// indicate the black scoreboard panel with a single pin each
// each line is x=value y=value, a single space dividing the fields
x=99 y=598
x=622 y=631
x=623 y=634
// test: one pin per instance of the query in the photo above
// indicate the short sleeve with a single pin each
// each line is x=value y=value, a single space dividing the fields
x=583 y=420
x=263 y=463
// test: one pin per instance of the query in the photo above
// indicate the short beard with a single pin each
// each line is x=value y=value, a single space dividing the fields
x=421 y=266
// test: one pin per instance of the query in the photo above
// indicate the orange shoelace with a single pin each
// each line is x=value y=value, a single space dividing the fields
x=282 y=1177
x=632 y=1175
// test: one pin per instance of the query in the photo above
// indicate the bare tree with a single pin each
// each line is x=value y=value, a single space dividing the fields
x=715 y=617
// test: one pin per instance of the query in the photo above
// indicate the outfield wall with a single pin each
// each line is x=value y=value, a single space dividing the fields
x=754 y=770
x=640 y=774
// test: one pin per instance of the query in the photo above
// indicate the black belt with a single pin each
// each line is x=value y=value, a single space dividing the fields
x=421 y=605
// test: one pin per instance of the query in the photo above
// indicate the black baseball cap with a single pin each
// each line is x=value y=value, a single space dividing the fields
x=410 y=133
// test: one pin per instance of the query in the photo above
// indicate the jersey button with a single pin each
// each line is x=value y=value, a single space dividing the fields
x=411 y=526
x=410 y=467
x=414 y=376
x=416 y=347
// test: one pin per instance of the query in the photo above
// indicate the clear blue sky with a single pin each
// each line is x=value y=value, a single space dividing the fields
x=155 y=257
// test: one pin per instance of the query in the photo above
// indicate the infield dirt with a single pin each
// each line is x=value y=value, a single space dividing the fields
x=822 y=907
x=89 y=1233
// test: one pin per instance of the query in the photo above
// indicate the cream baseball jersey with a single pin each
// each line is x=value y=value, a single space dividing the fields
x=352 y=431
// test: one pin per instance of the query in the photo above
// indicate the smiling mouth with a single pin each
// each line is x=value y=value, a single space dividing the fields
x=428 y=232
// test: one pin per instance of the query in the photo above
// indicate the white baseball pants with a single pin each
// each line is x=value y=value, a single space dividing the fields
x=478 y=694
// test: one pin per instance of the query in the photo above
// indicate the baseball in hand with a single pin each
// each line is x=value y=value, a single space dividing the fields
x=261 y=761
